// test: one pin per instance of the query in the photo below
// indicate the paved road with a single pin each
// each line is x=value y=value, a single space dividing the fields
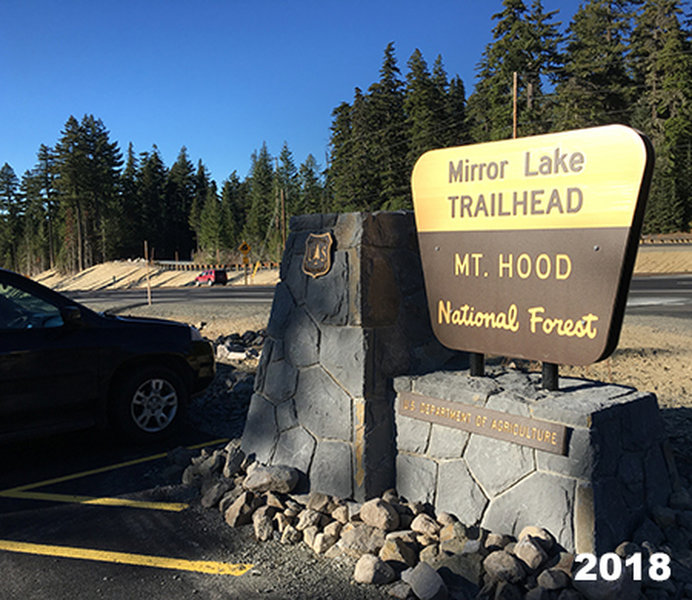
x=201 y=295
x=663 y=295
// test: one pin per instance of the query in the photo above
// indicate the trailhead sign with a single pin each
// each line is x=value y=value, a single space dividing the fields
x=528 y=245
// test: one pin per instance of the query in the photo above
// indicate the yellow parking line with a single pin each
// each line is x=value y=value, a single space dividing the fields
x=125 y=558
x=128 y=463
x=171 y=506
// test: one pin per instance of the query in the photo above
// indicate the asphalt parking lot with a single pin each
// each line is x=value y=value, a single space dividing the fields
x=84 y=516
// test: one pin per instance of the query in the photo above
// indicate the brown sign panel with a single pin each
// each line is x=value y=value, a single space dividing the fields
x=318 y=258
x=528 y=245
x=543 y=435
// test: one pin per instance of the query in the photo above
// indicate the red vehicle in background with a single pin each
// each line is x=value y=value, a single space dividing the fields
x=211 y=277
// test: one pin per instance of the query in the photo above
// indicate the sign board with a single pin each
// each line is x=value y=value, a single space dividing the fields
x=525 y=431
x=244 y=248
x=318 y=257
x=528 y=245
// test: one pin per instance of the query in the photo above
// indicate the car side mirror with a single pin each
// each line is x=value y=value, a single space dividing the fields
x=71 y=316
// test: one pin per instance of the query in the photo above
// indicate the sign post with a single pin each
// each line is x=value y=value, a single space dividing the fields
x=528 y=245
x=245 y=248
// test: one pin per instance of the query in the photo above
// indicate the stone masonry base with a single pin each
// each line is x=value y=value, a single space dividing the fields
x=591 y=499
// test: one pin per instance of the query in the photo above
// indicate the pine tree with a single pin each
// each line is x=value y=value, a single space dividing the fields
x=339 y=176
x=310 y=194
x=210 y=224
x=425 y=109
x=662 y=63
x=287 y=179
x=151 y=186
x=88 y=165
x=544 y=60
x=456 y=119
x=71 y=166
x=262 y=212
x=46 y=171
x=10 y=217
x=234 y=207
x=389 y=130
x=594 y=86
x=32 y=248
x=180 y=193
x=201 y=187
x=363 y=168
x=130 y=208
x=524 y=42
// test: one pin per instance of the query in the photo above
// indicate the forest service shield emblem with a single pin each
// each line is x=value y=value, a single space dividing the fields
x=318 y=258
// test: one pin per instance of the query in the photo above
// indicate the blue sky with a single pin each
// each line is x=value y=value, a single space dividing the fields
x=219 y=77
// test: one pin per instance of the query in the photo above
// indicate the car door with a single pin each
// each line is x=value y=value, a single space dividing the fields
x=48 y=368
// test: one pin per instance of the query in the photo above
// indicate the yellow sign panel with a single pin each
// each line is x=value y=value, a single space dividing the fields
x=528 y=245
x=244 y=248
x=584 y=178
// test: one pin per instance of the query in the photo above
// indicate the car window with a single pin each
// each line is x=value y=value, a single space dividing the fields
x=21 y=310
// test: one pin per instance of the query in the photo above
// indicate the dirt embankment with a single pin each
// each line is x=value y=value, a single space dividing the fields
x=127 y=274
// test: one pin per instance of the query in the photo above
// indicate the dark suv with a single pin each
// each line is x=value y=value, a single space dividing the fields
x=63 y=366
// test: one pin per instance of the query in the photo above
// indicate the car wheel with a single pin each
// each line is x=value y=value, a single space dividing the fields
x=150 y=404
x=210 y=283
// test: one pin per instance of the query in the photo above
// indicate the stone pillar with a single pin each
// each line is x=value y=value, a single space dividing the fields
x=616 y=466
x=323 y=391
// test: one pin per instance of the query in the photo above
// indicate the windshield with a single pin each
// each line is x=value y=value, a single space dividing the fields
x=21 y=310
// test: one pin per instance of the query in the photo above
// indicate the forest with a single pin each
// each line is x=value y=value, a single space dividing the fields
x=86 y=200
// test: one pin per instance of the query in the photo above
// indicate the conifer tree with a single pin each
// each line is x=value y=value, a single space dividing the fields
x=46 y=171
x=131 y=209
x=524 y=42
x=390 y=136
x=101 y=177
x=180 y=193
x=151 y=185
x=262 y=199
x=10 y=215
x=234 y=209
x=456 y=118
x=425 y=109
x=339 y=177
x=32 y=247
x=362 y=167
x=88 y=166
x=662 y=62
x=310 y=194
x=287 y=179
x=594 y=86
x=201 y=186
x=210 y=224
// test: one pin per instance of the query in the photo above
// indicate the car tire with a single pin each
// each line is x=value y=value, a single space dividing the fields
x=150 y=404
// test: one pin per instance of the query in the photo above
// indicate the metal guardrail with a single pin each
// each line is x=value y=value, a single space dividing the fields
x=667 y=239
x=180 y=265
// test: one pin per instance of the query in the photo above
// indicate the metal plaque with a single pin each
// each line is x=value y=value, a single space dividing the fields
x=318 y=256
x=528 y=245
x=535 y=433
